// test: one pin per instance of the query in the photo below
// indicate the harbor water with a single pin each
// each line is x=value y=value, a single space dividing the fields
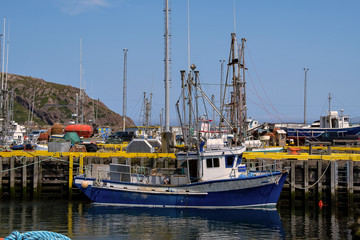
x=84 y=220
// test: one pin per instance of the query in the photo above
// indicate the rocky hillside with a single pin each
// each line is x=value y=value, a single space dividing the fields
x=57 y=103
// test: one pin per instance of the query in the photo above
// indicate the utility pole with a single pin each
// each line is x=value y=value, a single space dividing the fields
x=82 y=87
x=166 y=136
x=167 y=76
x=77 y=109
x=124 y=87
x=305 y=69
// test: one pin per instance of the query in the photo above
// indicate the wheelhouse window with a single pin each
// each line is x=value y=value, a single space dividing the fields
x=216 y=162
x=229 y=161
x=212 y=162
x=209 y=163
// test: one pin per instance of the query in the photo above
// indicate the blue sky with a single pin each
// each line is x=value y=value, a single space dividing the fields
x=283 y=37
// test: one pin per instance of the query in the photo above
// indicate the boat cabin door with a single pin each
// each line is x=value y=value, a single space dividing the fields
x=193 y=169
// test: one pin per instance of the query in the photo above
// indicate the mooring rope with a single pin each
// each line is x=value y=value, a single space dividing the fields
x=323 y=174
x=42 y=160
x=33 y=235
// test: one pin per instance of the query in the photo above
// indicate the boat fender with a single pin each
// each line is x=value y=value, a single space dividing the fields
x=166 y=180
x=84 y=184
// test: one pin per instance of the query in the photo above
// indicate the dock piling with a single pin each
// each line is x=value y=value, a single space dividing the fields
x=12 y=177
x=71 y=174
x=24 y=177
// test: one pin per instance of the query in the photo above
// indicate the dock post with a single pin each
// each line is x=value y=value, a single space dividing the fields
x=81 y=164
x=292 y=162
x=333 y=174
x=350 y=182
x=166 y=162
x=142 y=162
x=1 y=169
x=24 y=177
x=306 y=181
x=319 y=184
x=114 y=160
x=128 y=161
x=71 y=166
x=36 y=177
x=12 y=177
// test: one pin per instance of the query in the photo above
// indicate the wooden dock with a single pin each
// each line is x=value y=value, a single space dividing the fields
x=331 y=178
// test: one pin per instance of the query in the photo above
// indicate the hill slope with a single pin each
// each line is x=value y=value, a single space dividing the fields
x=56 y=103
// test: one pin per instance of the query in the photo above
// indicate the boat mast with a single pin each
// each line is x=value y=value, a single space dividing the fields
x=238 y=111
x=330 y=125
x=221 y=94
x=242 y=91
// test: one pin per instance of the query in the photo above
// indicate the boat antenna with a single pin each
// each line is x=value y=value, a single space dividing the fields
x=330 y=110
x=7 y=54
x=3 y=58
x=188 y=33
x=234 y=19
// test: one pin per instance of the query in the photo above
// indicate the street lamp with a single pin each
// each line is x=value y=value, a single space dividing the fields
x=305 y=69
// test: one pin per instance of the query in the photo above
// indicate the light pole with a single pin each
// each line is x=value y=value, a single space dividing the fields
x=124 y=88
x=305 y=69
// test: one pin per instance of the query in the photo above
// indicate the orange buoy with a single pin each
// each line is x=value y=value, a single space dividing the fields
x=84 y=184
x=294 y=150
x=81 y=129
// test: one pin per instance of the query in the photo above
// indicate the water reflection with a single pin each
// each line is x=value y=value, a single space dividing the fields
x=82 y=220
x=315 y=223
x=187 y=223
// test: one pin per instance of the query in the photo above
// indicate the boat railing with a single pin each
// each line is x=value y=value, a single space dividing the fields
x=265 y=167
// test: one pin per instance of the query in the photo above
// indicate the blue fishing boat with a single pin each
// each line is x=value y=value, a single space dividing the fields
x=212 y=178
x=333 y=122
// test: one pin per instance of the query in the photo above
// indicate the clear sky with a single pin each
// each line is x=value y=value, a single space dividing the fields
x=283 y=37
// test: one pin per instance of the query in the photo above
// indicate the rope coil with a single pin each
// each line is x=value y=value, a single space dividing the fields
x=36 y=235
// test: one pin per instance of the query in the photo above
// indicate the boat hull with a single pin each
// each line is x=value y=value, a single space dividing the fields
x=234 y=193
x=301 y=133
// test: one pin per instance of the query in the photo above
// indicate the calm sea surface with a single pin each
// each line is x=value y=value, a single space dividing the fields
x=83 y=220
